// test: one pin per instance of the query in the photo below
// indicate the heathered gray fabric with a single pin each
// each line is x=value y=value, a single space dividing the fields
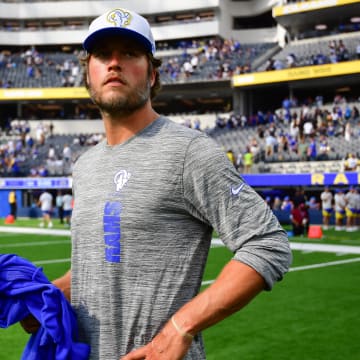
x=178 y=190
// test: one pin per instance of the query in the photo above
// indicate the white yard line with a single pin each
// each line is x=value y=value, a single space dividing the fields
x=327 y=264
x=307 y=267
x=29 y=230
x=53 y=261
x=306 y=247
x=35 y=243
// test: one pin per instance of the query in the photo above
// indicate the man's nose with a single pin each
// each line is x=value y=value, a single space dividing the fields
x=115 y=60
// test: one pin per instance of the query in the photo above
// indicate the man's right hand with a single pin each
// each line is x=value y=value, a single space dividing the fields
x=30 y=324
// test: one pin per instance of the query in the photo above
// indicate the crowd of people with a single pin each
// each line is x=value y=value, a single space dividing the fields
x=226 y=57
x=229 y=56
x=302 y=131
x=339 y=207
x=297 y=131
x=39 y=65
x=22 y=152
x=337 y=52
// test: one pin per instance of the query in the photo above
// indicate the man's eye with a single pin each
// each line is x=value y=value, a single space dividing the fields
x=131 y=53
x=101 y=54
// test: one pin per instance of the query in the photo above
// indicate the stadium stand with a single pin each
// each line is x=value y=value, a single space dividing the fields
x=200 y=64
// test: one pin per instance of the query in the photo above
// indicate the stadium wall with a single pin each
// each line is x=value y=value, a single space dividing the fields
x=221 y=25
x=73 y=127
x=32 y=210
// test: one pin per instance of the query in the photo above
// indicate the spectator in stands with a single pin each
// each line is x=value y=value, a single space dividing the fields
x=40 y=134
x=351 y=162
x=332 y=51
x=302 y=149
x=291 y=60
x=326 y=198
x=254 y=147
x=312 y=149
x=248 y=160
x=131 y=179
x=197 y=124
x=239 y=164
x=271 y=145
x=51 y=129
x=231 y=157
x=355 y=114
x=283 y=145
x=348 y=131
x=294 y=126
x=324 y=148
x=67 y=153
x=51 y=152
x=308 y=127
x=342 y=52
x=278 y=64
x=59 y=166
x=318 y=59
x=42 y=171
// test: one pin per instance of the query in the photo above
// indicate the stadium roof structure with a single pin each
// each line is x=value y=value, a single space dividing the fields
x=325 y=14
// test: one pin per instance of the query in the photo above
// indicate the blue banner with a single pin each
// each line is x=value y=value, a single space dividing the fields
x=322 y=179
x=255 y=180
x=35 y=183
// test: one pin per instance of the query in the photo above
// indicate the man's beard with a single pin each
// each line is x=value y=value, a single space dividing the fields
x=120 y=105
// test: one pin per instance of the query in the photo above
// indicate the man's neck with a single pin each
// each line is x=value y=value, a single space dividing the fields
x=120 y=129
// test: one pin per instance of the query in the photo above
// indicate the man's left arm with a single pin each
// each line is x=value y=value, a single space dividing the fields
x=235 y=287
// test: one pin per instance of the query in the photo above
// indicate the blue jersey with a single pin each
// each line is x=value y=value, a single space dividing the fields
x=25 y=290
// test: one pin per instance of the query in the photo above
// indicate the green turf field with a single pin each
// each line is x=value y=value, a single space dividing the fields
x=313 y=314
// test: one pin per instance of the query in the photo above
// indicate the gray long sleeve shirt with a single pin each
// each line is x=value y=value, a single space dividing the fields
x=142 y=225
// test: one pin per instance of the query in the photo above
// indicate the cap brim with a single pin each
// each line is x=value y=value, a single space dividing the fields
x=95 y=38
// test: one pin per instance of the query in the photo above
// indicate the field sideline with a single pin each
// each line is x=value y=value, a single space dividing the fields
x=313 y=314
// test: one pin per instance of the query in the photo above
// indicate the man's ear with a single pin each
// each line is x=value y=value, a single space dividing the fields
x=153 y=78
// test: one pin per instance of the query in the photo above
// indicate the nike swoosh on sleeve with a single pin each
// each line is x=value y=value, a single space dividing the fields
x=236 y=191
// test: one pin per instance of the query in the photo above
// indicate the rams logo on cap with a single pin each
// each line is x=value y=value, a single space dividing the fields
x=119 y=18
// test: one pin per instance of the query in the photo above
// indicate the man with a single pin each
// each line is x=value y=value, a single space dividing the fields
x=46 y=204
x=146 y=202
x=67 y=204
x=299 y=220
x=340 y=209
x=12 y=203
x=60 y=206
x=351 y=210
x=326 y=198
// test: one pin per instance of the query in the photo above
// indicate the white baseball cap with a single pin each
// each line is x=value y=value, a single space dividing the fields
x=122 y=22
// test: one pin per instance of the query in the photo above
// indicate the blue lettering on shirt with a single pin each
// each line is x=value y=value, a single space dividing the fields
x=112 y=232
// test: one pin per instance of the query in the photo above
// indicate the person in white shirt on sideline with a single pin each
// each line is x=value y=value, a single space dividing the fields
x=67 y=206
x=326 y=206
x=46 y=205
x=340 y=206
